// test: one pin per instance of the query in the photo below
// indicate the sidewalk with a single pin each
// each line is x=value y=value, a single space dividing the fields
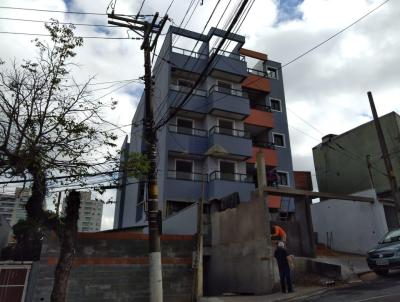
x=299 y=294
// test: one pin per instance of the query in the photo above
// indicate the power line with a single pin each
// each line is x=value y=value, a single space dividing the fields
x=334 y=35
x=83 y=37
x=66 y=23
x=63 y=12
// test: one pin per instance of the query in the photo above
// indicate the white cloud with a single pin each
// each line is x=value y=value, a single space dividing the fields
x=326 y=87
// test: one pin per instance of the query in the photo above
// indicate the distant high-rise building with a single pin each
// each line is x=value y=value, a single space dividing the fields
x=12 y=206
x=90 y=213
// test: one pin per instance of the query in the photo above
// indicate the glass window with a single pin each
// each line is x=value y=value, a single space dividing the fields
x=283 y=179
x=184 y=169
x=184 y=126
x=392 y=236
x=227 y=170
x=225 y=127
x=224 y=87
x=279 y=140
x=272 y=72
x=276 y=105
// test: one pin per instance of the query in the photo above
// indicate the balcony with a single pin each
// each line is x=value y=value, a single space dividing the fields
x=257 y=80
x=187 y=140
x=222 y=184
x=237 y=143
x=228 y=65
x=260 y=115
x=183 y=185
x=188 y=60
x=196 y=103
x=270 y=153
x=231 y=103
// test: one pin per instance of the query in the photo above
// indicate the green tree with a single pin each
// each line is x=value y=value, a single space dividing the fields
x=51 y=126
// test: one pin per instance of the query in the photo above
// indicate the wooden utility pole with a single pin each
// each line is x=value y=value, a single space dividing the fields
x=146 y=30
x=385 y=154
x=369 y=166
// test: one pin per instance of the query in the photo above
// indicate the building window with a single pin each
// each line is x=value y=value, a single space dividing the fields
x=272 y=72
x=224 y=87
x=184 y=169
x=226 y=126
x=276 y=105
x=184 y=126
x=185 y=85
x=279 y=140
x=283 y=179
x=227 y=170
x=173 y=207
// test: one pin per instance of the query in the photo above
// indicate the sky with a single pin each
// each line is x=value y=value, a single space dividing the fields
x=326 y=90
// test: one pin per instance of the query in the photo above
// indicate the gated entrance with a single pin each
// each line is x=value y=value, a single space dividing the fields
x=13 y=281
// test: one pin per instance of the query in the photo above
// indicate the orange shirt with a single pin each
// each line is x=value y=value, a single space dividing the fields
x=279 y=231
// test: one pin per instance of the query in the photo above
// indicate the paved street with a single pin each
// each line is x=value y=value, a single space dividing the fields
x=381 y=289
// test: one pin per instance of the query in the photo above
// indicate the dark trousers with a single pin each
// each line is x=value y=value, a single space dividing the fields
x=284 y=275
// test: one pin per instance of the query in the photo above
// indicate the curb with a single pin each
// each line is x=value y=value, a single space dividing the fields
x=304 y=296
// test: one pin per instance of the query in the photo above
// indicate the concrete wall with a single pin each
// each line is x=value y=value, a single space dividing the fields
x=356 y=227
x=240 y=246
x=113 y=266
x=352 y=147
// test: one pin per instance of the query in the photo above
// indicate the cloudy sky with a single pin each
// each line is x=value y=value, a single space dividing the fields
x=325 y=90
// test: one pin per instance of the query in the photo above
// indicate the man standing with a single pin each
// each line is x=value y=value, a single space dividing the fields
x=284 y=260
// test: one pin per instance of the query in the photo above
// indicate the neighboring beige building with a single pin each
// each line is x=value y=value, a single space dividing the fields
x=12 y=206
x=90 y=213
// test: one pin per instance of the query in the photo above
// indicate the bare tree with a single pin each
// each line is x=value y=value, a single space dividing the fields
x=50 y=125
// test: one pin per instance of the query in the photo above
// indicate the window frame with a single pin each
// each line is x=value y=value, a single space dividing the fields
x=276 y=72
x=287 y=178
x=229 y=161
x=284 y=139
x=224 y=82
x=191 y=173
x=184 y=119
x=227 y=120
x=279 y=101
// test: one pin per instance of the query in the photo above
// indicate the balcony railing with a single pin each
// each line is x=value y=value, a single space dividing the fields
x=180 y=175
x=228 y=54
x=258 y=72
x=260 y=107
x=188 y=131
x=263 y=144
x=186 y=89
x=219 y=175
x=230 y=91
x=190 y=53
x=230 y=131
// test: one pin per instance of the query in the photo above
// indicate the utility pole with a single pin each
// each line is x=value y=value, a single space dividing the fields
x=369 y=166
x=146 y=30
x=385 y=154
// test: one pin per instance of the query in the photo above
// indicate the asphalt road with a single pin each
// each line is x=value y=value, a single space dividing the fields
x=385 y=289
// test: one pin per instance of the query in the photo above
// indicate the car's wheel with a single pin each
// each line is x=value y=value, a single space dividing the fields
x=382 y=272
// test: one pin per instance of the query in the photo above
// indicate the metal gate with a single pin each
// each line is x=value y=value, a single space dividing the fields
x=13 y=281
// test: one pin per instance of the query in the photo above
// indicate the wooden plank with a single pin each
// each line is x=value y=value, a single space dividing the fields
x=253 y=54
x=290 y=192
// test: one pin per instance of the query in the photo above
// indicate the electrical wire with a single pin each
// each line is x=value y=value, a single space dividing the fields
x=66 y=23
x=83 y=37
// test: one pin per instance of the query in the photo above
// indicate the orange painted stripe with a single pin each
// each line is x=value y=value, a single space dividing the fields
x=253 y=54
x=119 y=260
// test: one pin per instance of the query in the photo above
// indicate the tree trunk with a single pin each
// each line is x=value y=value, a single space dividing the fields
x=34 y=205
x=67 y=248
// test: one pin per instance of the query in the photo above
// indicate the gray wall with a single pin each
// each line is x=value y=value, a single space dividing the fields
x=352 y=147
x=240 y=246
x=356 y=226
x=114 y=267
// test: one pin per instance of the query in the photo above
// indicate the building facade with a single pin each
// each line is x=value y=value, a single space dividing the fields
x=209 y=147
x=354 y=148
x=12 y=206
x=90 y=213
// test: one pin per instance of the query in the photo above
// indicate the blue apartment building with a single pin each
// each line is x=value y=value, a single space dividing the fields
x=209 y=147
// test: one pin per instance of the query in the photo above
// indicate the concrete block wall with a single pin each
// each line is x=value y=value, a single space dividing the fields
x=113 y=266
